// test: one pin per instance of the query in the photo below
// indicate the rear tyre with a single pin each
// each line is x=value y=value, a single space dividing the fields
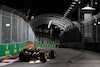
x=21 y=57
x=52 y=54
x=42 y=57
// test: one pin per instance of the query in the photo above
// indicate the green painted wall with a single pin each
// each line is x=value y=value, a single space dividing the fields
x=44 y=45
x=18 y=47
x=11 y=48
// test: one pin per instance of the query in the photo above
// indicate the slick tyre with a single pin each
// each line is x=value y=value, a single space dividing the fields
x=52 y=54
x=42 y=57
x=21 y=57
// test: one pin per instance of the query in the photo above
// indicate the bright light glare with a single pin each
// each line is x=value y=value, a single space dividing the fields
x=48 y=59
x=94 y=24
x=37 y=61
x=98 y=22
x=72 y=5
x=73 y=2
x=69 y=10
x=32 y=17
x=96 y=3
x=7 y=25
x=79 y=2
x=76 y=0
x=31 y=61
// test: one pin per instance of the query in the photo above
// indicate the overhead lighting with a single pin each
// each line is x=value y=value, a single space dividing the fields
x=7 y=25
x=76 y=0
x=28 y=11
x=98 y=22
x=69 y=10
x=95 y=24
x=65 y=14
x=79 y=2
x=72 y=5
x=73 y=2
x=27 y=16
x=49 y=24
x=32 y=17
x=96 y=3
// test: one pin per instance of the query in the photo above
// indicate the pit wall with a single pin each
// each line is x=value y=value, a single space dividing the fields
x=10 y=49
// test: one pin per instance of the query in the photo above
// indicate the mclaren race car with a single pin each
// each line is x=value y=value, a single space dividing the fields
x=35 y=54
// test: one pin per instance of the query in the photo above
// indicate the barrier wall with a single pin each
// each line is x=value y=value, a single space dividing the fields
x=90 y=46
x=8 y=49
x=44 y=45
x=31 y=44
x=75 y=45
x=11 y=48
x=95 y=47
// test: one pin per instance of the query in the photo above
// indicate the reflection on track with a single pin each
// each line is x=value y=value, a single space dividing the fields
x=66 y=58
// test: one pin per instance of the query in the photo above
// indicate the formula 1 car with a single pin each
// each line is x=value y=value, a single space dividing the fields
x=33 y=53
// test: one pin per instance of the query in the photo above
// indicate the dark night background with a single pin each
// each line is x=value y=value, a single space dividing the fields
x=38 y=7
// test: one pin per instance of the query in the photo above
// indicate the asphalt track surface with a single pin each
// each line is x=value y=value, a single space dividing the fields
x=65 y=58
